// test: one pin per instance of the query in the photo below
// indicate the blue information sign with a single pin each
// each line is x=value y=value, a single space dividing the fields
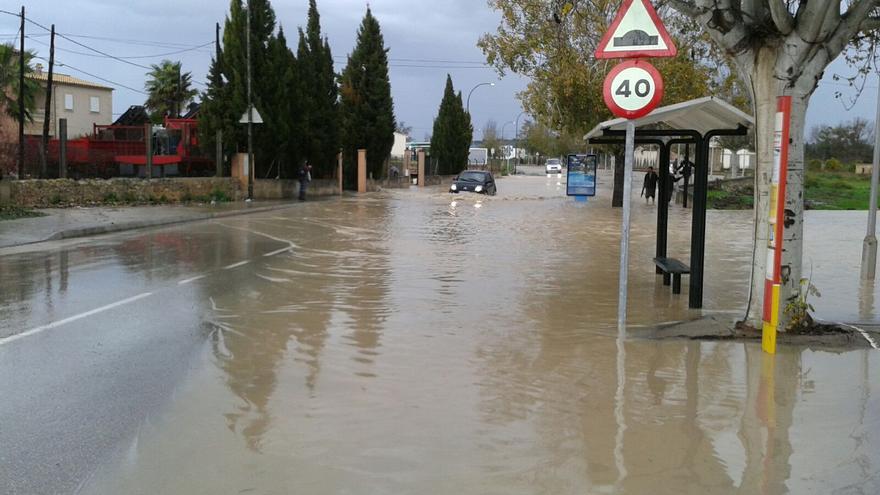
x=582 y=175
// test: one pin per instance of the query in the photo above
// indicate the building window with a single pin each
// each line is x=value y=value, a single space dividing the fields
x=68 y=102
x=95 y=104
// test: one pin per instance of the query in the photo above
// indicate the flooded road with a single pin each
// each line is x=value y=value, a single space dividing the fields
x=421 y=342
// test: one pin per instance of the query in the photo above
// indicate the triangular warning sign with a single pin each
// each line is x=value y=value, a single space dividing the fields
x=258 y=119
x=636 y=32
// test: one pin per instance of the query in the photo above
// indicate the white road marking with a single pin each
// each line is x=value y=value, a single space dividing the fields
x=864 y=334
x=275 y=253
x=191 y=280
x=236 y=265
x=286 y=241
x=80 y=316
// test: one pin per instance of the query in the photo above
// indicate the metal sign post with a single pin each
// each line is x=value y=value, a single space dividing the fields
x=632 y=89
x=624 y=238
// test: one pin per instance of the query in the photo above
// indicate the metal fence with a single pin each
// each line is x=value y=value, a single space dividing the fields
x=112 y=151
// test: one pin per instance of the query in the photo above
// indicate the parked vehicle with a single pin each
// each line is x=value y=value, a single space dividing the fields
x=553 y=166
x=474 y=181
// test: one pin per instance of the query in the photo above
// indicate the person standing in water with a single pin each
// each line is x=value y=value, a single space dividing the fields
x=305 y=176
x=649 y=186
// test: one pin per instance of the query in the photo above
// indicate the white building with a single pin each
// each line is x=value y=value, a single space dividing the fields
x=399 y=148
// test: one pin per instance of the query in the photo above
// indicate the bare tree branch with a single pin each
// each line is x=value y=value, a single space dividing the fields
x=781 y=16
x=755 y=11
x=685 y=7
x=813 y=16
x=851 y=23
x=870 y=24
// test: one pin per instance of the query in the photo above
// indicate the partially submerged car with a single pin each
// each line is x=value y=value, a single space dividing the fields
x=474 y=181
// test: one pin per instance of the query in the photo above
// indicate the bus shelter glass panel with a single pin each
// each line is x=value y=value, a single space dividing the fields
x=581 y=175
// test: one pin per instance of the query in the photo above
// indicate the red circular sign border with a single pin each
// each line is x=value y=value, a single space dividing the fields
x=633 y=114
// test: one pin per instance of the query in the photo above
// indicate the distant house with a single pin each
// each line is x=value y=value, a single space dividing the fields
x=83 y=103
x=864 y=168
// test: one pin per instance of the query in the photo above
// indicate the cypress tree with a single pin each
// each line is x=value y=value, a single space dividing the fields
x=452 y=134
x=215 y=113
x=366 y=105
x=321 y=97
x=227 y=102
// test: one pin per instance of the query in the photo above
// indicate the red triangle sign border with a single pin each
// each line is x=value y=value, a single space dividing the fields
x=636 y=52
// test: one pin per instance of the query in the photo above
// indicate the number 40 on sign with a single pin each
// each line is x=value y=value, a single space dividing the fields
x=632 y=89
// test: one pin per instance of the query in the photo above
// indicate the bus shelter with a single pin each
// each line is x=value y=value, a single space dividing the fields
x=691 y=123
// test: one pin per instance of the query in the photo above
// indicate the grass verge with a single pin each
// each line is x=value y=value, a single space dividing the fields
x=15 y=212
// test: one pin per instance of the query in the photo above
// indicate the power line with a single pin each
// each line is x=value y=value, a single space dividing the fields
x=157 y=55
x=61 y=64
x=160 y=44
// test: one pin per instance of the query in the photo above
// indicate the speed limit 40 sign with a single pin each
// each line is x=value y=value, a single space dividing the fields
x=633 y=89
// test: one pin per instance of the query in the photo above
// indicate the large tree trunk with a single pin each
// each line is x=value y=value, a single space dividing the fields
x=767 y=88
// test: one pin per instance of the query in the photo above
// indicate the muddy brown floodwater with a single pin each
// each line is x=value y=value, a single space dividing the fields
x=418 y=342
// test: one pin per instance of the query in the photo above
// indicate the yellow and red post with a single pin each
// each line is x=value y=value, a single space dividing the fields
x=773 y=282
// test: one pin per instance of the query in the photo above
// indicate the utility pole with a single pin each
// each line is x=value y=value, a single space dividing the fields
x=47 y=114
x=21 y=101
x=251 y=165
x=869 y=247
x=217 y=41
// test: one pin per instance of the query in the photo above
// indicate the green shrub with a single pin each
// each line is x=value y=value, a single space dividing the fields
x=111 y=198
x=814 y=165
x=55 y=200
x=833 y=165
x=129 y=197
x=220 y=196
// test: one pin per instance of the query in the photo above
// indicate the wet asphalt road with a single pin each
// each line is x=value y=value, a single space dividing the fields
x=73 y=393
x=417 y=342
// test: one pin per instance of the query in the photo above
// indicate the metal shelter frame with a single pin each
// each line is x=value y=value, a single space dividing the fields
x=708 y=118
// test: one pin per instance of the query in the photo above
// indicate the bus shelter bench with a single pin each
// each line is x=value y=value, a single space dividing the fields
x=672 y=269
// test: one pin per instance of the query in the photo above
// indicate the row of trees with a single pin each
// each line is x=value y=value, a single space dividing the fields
x=309 y=112
x=848 y=142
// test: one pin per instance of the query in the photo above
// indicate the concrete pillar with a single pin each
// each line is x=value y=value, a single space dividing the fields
x=407 y=158
x=339 y=171
x=62 y=148
x=239 y=170
x=362 y=171
x=219 y=157
x=148 y=142
x=422 y=168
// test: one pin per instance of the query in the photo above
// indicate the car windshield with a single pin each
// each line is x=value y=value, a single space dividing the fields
x=553 y=161
x=472 y=176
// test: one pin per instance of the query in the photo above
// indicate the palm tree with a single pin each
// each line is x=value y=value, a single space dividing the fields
x=168 y=90
x=9 y=80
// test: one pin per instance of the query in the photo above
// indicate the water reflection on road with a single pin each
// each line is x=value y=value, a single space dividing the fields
x=418 y=342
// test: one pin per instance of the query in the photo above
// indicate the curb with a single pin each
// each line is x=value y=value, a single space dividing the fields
x=74 y=233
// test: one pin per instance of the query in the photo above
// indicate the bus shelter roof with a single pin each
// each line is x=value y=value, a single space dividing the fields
x=701 y=115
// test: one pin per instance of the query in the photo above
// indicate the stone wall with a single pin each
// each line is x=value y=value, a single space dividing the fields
x=399 y=182
x=277 y=189
x=68 y=192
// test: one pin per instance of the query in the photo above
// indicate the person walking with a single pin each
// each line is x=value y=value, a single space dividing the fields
x=669 y=187
x=305 y=176
x=649 y=186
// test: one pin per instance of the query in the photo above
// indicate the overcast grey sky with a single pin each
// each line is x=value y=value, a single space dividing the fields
x=426 y=39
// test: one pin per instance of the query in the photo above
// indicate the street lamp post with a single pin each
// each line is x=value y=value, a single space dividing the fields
x=869 y=247
x=516 y=150
x=472 y=92
x=506 y=155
